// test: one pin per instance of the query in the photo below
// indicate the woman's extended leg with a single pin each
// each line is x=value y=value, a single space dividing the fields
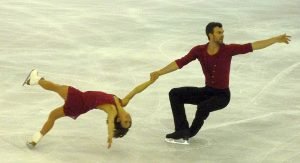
x=62 y=90
x=53 y=116
x=33 y=79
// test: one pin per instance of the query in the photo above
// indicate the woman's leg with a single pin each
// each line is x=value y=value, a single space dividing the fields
x=33 y=79
x=53 y=116
x=62 y=90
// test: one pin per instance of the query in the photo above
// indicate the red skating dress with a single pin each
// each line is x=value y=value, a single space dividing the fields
x=79 y=102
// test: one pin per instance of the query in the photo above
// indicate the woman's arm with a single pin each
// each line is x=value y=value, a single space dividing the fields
x=112 y=113
x=135 y=91
x=118 y=105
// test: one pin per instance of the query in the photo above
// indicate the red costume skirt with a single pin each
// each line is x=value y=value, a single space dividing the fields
x=78 y=102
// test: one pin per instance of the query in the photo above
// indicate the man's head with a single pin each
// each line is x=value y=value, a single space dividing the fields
x=215 y=32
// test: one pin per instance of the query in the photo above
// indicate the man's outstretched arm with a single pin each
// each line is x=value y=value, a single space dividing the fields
x=167 y=69
x=265 y=43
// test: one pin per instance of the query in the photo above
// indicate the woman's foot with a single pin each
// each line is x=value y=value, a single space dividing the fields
x=34 y=140
x=33 y=78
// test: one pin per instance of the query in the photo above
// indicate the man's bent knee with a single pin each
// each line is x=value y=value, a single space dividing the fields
x=173 y=92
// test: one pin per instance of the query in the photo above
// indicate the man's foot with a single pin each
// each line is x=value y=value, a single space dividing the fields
x=178 y=137
x=182 y=134
x=177 y=141
x=33 y=78
x=193 y=133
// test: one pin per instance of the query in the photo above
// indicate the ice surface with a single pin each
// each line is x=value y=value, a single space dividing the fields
x=113 y=45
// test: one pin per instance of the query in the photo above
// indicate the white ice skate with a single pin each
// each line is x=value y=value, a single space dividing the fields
x=32 y=78
x=30 y=144
x=34 y=140
x=177 y=141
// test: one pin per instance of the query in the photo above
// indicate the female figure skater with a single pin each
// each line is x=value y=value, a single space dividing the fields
x=77 y=103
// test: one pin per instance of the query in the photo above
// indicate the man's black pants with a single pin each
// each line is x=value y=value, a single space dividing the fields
x=207 y=100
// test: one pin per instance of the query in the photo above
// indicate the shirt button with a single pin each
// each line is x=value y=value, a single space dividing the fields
x=212 y=76
x=215 y=65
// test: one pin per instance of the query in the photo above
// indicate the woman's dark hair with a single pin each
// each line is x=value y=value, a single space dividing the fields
x=119 y=131
x=210 y=27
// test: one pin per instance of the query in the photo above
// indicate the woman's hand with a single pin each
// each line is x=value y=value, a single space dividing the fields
x=154 y=76
x=109 y=141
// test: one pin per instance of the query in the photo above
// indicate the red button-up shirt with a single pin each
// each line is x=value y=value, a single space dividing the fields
x=216 y=68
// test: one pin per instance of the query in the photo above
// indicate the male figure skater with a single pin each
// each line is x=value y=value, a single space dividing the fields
x=215 y=58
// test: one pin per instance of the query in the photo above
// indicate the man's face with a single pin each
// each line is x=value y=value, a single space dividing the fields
x=218 y=35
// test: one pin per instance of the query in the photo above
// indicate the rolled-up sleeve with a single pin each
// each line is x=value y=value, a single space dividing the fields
x=192 y=55
x=236 y=49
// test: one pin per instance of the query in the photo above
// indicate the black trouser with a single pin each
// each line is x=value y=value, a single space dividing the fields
x=207 y=100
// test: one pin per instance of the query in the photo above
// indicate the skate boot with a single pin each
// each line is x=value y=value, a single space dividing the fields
x=178 y=137
x=33 y=78
x=30 y=144
x=35 y=139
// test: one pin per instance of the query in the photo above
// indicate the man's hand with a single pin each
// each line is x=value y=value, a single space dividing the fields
x=265 y=43
x=167 y=69
x=283 y=38
x=109 y=141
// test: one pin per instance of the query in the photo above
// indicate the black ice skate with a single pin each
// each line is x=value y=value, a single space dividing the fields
x=178 y=137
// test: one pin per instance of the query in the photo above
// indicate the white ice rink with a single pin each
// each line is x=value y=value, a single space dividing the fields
x=114 y=45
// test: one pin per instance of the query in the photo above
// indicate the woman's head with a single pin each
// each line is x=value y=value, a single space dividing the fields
x=122 y=127
x=126 y=120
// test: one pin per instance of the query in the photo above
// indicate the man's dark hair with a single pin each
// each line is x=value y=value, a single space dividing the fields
x=210 y=27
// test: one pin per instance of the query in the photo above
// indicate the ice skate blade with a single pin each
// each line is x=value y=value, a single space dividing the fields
x=30 y=145
x=27 y=79
x=177 y=141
